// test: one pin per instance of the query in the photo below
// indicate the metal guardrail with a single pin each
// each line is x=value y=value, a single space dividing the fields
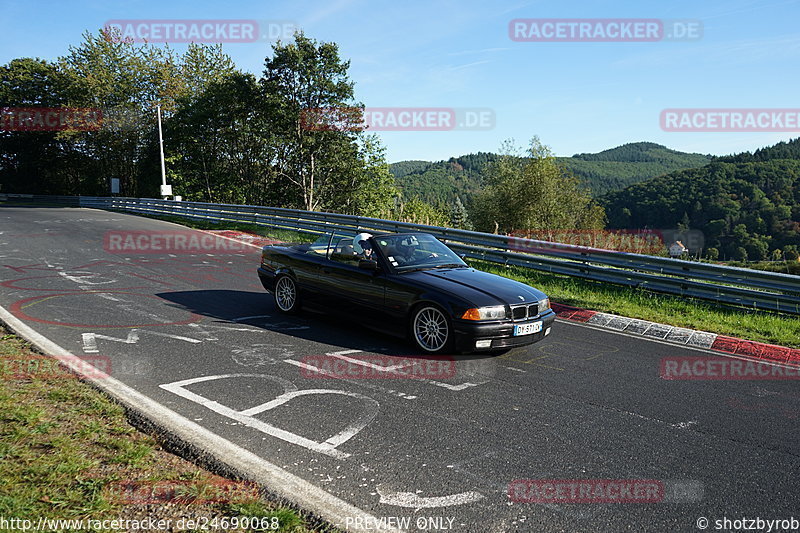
x=730 y=285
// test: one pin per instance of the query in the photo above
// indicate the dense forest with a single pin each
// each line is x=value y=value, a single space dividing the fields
x=616 y=168
x=441 y=182
x=747 y=205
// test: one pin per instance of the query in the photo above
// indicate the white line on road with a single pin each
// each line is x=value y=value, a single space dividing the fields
x=241 y=461
x=361 y=383
x=414 y=501
x=290 y=392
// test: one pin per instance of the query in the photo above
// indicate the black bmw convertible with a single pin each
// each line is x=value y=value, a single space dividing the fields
x=407 y=284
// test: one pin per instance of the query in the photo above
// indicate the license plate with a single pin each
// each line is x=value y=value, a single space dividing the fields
x=527 y=329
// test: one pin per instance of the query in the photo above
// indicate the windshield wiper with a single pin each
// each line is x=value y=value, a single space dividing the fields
x=434 y=267
x=451 y=265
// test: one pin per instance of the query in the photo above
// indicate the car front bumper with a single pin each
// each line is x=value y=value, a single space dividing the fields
x=500 y=334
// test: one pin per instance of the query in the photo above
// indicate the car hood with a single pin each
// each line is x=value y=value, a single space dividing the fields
x=481 y=288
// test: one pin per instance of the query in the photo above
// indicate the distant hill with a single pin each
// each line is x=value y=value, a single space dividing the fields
x=616 y=168
x=439 y=182
x=747 y=205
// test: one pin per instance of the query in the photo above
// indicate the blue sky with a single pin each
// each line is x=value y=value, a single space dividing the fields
x=576 y=96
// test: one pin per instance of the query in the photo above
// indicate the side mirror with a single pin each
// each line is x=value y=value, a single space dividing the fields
x=368 y=264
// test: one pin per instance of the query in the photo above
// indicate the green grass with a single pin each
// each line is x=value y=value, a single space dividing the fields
x=783 y=267
x=64 y=447
x=645 y=305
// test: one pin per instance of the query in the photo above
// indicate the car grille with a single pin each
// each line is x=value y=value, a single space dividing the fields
x=524 y=311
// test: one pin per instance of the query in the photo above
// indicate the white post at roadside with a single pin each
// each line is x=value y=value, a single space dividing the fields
x=166 y=190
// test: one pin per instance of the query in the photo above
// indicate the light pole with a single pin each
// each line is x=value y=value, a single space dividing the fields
x=166 y=190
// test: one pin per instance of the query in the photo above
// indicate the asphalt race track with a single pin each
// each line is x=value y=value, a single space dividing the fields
x=584 y=404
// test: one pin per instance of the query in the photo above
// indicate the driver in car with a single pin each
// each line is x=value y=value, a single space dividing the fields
x=406 y=249
x=362 y=246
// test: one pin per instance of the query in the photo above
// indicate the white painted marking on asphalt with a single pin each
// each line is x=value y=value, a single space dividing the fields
x=409 y=499
x=306 y=366
x=85 y=278
x=90 y=338
x=246 y=417
x=89 y=343
x=367 y=364
x=392 y=369
x=249 y=317
x=762 y=392
x=171 y=336
x=361 y=383
x=285 y=484
x=341 y=437
x=105 y=296
x=262 y=354
x=203 y=332
x=458 y=387
x=344 y=352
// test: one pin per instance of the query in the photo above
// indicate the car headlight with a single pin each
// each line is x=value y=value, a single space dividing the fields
x=544 y=305
x=496 y=312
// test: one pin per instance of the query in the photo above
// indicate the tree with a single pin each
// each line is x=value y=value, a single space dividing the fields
x=683 y=225
x=300 y=78
x=533 y=192
x=34 y=160
x=226 y=150
x=126 y=81
x=371 y=191
x=458 y=215
x=417 y=211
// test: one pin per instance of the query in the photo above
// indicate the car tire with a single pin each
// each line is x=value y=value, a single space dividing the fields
x=287 y=299
x=430 y=330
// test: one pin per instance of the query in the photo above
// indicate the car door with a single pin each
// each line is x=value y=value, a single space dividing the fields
x=346 y=287
x=307 y=268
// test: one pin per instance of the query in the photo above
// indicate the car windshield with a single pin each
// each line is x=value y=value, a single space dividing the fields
x=417 y=251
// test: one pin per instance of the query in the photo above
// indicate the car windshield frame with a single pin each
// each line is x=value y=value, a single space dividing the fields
x=391 y=245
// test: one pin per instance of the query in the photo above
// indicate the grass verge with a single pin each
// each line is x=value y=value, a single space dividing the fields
x=68 y=452
x=645 y=305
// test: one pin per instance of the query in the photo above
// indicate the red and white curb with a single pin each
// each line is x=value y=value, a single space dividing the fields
x=247 y=238
x=687 y=337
